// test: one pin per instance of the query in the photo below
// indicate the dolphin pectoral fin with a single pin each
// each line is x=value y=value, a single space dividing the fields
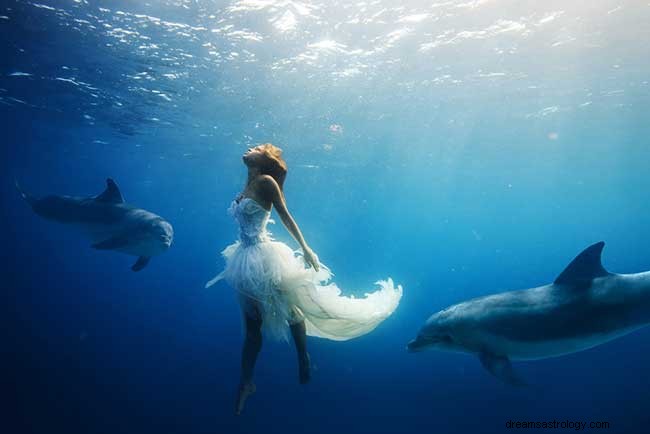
x=141 y=263
x=500 y=367
x=112 y=243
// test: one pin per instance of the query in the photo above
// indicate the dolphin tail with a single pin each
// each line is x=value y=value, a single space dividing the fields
x=26 y=196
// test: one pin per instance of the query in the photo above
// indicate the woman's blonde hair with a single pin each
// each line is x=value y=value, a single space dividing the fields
x=275 y=166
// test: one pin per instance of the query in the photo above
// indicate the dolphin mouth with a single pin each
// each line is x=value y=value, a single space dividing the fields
x=415 y=346
x=422 y=343
x=166 y=240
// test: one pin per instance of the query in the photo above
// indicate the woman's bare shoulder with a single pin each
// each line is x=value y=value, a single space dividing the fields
x=267 y=187
x=267 y=182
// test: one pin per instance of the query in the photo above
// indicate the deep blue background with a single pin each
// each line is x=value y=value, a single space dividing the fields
x=449 y=211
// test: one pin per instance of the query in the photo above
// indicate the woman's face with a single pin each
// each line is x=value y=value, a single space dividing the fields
x=254 y=156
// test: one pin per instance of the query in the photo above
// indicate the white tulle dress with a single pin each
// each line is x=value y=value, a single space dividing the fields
x=275 y=286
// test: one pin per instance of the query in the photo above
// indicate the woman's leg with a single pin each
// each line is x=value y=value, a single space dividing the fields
x=252 y=346
x=299 y=333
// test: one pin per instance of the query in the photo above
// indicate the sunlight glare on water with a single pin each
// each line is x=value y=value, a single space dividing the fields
x=236 y=70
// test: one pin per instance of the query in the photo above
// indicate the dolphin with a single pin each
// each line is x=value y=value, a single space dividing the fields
x=584 y=307
x=110 y=223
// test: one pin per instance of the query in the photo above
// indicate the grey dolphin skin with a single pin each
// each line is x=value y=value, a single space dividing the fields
x=110 y=223
x=584 y=307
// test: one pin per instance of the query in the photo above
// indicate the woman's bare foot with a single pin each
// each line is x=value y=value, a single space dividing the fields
x=245 y=390
x=304 y=369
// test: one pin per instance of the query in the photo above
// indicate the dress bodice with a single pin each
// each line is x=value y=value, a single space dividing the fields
x=252 y=219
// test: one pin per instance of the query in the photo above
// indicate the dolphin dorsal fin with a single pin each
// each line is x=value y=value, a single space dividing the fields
x=111 y=194
x=585 y=267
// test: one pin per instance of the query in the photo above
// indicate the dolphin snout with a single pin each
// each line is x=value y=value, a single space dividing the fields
x=415 y=345
x=167 y=234
x=166 y=240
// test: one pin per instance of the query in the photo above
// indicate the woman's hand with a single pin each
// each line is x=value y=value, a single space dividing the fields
x=310 y=258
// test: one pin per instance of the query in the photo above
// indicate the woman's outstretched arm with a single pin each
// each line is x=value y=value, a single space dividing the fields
x=272 y=190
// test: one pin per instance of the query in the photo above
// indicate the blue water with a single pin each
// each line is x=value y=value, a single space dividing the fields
x=462 y=148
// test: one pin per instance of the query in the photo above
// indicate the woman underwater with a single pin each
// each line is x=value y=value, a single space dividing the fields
x=280 y=291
